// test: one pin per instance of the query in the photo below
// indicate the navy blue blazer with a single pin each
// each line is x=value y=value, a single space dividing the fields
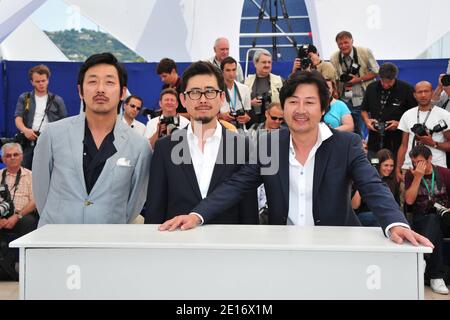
x=338 y=161
x=173 y=188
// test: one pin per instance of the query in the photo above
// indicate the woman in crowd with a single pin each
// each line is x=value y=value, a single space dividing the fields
x=338 y=116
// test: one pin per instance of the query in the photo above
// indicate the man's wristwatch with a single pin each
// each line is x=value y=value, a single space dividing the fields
x=19 y=215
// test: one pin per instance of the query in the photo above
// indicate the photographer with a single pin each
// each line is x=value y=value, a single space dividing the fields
x=35 y=110
x=441 y=96
x=17 y=206
x=309 y=59
x=427 y=192
x=356 y=68
x=385 y=101
x=265 y=86
x=161 y=126
x=237 y=103
x=132 y=106
x=425 y=124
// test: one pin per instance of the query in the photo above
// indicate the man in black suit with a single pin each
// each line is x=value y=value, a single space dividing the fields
x=316 y=167
x=188 y=165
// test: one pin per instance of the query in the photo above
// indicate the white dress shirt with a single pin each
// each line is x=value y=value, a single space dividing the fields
x=137 y=126
x=204 y=161
x=301 y=182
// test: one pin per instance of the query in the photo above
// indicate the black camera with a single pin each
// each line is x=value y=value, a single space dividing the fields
x=381 y=127
x=303 y=55
x=237 y=113
x=347 y=76
x=445 y=80
x=171 y=123
x=266 y=99
x=421 y=130
x=6 y=203
x=443 y=212
x=18 y=138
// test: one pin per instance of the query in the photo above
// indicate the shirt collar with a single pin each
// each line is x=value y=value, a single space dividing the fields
x=217 y=133
x=325 y=133
x=351 y=55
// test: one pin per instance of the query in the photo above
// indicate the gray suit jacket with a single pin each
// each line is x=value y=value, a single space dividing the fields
x=58 y=180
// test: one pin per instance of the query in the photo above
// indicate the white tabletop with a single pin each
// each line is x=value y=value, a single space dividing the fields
x=245 y=237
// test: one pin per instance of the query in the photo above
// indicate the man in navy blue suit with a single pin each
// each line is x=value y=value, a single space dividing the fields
x=316 y=166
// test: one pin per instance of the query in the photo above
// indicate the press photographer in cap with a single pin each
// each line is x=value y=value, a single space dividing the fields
x=309 y=59
x=169 y=119
x=427 y=192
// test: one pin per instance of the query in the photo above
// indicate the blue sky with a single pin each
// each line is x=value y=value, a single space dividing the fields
x=55 y=15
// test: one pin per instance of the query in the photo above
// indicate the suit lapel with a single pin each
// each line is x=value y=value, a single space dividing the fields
x=219 y=168
x=188 y=168
x=76 y=138
x=321 y=162
x=285 y=139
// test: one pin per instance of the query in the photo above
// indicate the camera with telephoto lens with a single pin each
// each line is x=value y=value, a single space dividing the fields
x=303 y=55
x=445 y=80
x=421 y=130
x=443 y=212
x=171 y=123
x=6 y=203
x=347 y=76
x=266 y=99
x=19 y=138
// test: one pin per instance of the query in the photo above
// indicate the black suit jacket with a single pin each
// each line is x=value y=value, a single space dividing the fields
x=339 y=160
x=173 y=188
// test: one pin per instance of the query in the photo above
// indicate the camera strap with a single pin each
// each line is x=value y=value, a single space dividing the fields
x=426 y=118
x=433 y=183
x=51 y=97
x=352 y=60
x=444 y=106
x=233 y=104
x=16 y=183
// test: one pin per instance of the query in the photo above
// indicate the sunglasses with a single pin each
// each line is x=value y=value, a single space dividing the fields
x=276 y=118
x=135 y=107
x=10 y=155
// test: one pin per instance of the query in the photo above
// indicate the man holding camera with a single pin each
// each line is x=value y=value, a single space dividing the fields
x=356 y=68
x=35 y=109
x=163 y=125
x=441 y=96
x=425 y=124
x=17 y=207
x=385 y=101
x=309 y=59
x=265 y=86
x=427 y=192
x=237 y=96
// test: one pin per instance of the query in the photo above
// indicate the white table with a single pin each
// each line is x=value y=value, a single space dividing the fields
x=217 y=262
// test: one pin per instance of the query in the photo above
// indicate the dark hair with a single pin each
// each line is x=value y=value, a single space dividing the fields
x=168 y=91
x=420 y=150
x=39 y=69
x=166 y=65
x=383 y=155
x=128 y=99
x=103 y=58
x=306 y=77
x=388 y=71
x=343 y=34
x=227 y=60
x=201 y=68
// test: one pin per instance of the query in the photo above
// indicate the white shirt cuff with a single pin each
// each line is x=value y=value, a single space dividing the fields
x=396 y=224
x=201 y=218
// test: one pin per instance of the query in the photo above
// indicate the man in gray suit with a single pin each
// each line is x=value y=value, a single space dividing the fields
x=92 y=168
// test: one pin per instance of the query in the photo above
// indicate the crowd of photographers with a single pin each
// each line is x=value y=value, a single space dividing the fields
x=405 y=128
